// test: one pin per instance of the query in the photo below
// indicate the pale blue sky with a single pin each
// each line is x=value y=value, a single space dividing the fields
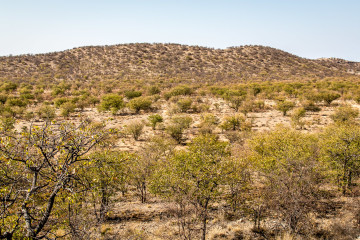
x=308 y=28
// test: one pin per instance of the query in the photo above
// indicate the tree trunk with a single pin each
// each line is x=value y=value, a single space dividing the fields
x=204 y=227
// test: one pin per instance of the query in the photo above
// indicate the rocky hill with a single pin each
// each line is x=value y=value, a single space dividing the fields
x=171 y=61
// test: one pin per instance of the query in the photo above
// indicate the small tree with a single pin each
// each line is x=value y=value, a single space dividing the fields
x=232 y=122
x=44 y=161
x=208 y=123
x=143 y=166
x=111 y=102
x=184 y=104
x=296 y=117
x=135 y=128
x=140 y=103
x=154 y=120
x=194 y=176
x=107 y=174
x=341 y=149
x=67 y=108
x=132 y=94
x=329 y=97
x=46 y=113
x=345 y=114
x=285 y=106
x=177 y=126
x=292 y=169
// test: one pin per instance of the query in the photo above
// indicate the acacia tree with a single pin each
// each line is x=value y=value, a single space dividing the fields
x=193 y=177
x=143 y=166
x=44 y=160
x=341 y=148
x=106 y=174
x=290 y=163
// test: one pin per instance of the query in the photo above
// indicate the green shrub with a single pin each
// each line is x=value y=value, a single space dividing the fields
x=111 y=102
x=311 y=107
x=208 y=123
x=296 y=117
x=184 y=104
x=67 y=108
x=135 y=128
x=15 y=101
x=177 y=126
x=46 y=113
x=140 y=103
x=345 y=114
x=285 y=106
x=155 y=119
x=329 y=97
x=60 y=101
x=132 y=94
x=154 y=90
x=232 y=122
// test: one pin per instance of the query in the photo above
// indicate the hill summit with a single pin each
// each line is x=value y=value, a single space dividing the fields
x=172 y=61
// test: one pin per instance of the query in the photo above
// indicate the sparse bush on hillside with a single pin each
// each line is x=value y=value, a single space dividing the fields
x=153 y=90
x=184 y=104
x=59 y=101
x=132 y=94
x=111 y=102
x=178 y=90
x=233 y=122
x=67 y=108
x=135 y=128
x=329 y=97
x=154 y=120
x=177 y=126
x=46 y=112
x=208 y=123
x=285 y=106
x=140 y=103
x=296 y=117
x=311 y=106
x=345 y=114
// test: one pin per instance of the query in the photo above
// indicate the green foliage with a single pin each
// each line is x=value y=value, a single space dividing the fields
x=285 y=106
x=154 y=120
x=345 y=114
x=15 y=101
x=154 y=90
x=179 y=90
x=177 y=126
x=184 y=104
x=111 y=102
x=289 y=161
x=232 y=122
x=60 y=101
x=9 y=86
x=42 y=161
x=208 y=123
x=67 y=108
x=296 y=117
x=132 y=94
x=341 y=149
x=329 y=96
x=46 y=112
x=107 y=174
x=235 y=101
x=7 y=123
x=140 y=103
x=311 y=106
x=3 y=98
x=194 y=176
x=135 y=128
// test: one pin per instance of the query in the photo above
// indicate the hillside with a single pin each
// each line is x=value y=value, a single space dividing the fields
x=171 y=61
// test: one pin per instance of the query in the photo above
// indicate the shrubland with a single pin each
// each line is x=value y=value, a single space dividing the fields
x=179 y=153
